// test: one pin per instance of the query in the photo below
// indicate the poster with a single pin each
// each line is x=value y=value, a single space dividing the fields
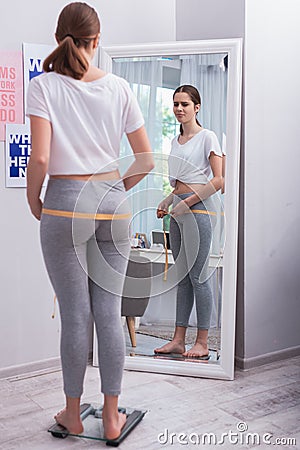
x=33 y=58
x=18 y=138
x=18 y=148
x=11 y=89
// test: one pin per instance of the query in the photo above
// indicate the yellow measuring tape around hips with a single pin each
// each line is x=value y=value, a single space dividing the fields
x=79 y=215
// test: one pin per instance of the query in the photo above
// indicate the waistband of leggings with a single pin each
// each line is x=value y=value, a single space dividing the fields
x=196 y=209
x=79 y=215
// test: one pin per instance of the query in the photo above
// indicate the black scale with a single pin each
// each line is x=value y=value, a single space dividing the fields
x=93 y=427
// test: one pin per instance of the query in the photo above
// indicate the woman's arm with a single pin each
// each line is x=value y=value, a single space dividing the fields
x=144 y=161
x=203 y=191
x=41 y=132
x=210 y=188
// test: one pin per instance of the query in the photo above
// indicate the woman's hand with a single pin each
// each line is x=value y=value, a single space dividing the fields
x=162 y=209
x=180 y=208
x=36 y=208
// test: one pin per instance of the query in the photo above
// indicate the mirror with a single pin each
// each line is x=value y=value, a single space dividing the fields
x=154 y=71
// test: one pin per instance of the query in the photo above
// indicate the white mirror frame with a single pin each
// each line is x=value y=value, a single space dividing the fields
x=224 y=368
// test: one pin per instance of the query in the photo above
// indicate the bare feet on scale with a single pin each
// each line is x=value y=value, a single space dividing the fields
x=113 y=424
x=69 y=421
x=197 y=351
x=175 y=346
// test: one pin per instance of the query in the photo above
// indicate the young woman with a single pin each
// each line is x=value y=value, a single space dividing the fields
x=78 y=114
x=195 y=156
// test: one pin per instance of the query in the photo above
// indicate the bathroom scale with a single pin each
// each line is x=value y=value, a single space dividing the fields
x=93 y=428
x=175 y=356
x=213 y=356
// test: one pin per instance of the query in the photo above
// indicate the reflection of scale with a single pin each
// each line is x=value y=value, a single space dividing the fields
x=213 y=356
x=93 y=427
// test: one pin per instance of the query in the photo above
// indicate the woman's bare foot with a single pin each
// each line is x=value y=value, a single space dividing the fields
x=175 y=346
x=69 y=421
x=197 y=351
x=113 y=424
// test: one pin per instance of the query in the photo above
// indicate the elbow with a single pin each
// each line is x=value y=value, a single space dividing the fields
x=43 y=162
x=151 y=166
x=144 y=163
x=148 y=163
x=151 y=163
x=39 y=161
x=219 y=183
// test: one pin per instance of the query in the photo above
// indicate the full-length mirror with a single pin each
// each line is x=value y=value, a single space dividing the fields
x=154 y=71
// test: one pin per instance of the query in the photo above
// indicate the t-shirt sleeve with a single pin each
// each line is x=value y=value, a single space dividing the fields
x=212 y=145
x=36 y=104
x=132 y=116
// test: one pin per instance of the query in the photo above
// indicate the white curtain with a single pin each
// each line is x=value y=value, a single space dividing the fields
x=209 y=75
x=145 y=79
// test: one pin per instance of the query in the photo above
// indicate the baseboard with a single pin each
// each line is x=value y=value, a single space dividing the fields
x=44 y=366
x=36 y=366
x=267 y=358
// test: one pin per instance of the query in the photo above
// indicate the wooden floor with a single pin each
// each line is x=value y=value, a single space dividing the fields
x=265 y=399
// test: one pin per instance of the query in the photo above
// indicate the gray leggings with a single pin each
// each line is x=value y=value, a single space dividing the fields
x=86 y=260
x=190 y=240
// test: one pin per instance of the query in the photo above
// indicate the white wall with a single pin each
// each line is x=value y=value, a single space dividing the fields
x=272 y=158
x=209 y=19
x=27 y=332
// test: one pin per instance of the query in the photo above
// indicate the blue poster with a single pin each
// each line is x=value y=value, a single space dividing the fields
x=18 y=148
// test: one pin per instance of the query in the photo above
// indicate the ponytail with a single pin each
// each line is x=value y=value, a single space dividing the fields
x=67 y=59
x=78 y=24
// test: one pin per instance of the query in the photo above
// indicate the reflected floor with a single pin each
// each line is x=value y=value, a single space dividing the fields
x=150 y=337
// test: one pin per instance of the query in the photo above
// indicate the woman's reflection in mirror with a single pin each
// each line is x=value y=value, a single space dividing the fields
x=196 y=173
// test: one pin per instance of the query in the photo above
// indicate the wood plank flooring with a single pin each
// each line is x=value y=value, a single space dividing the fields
x=265 y=400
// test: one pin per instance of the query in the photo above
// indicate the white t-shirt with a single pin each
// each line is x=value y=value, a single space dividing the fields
x=189 y=162
x=88 y=120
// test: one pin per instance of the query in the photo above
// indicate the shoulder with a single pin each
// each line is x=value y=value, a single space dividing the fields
x=206 y=133
x=174 y=141
x=208 y=136
x=42 y=81
x=211 y=143
x=118 y=81
x=35 y=86
x=45 y=77
x=120 y=85
x=37 y=80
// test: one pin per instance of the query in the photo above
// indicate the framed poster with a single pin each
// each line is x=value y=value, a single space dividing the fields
x=18 y=148
x=11 y=89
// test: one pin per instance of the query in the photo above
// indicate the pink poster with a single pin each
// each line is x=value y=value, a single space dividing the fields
x=11 y=89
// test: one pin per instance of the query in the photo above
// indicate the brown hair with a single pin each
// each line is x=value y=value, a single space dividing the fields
x=194 y=95
x=78 y=24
